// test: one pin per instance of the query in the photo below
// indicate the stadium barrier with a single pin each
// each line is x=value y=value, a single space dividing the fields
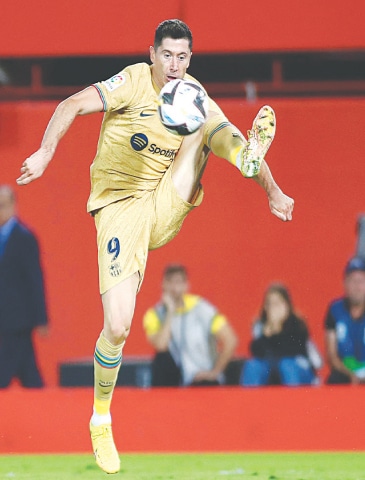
x=136 y=372
x=228 y=419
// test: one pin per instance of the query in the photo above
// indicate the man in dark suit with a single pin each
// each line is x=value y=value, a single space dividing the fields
x=22 y=299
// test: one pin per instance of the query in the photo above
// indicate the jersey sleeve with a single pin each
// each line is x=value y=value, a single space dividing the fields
x=116 y=92
x=218 y=322
x=151 y=322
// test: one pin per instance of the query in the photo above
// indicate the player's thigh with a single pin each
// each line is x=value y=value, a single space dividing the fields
x=170 y=211
x=123 y=231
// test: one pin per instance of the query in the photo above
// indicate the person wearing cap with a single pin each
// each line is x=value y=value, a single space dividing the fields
x=345 y=328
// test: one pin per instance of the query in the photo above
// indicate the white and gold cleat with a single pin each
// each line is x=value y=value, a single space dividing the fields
x=106 y=454
x=259 y=139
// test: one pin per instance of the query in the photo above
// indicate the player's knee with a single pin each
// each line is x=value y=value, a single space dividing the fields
x=117 y=329
x=117 y=335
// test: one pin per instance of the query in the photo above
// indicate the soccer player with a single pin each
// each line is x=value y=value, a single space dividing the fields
x=144 y=181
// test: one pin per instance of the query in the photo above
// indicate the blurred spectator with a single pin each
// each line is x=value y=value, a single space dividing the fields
x=193 y=341
x=281 y=349
x=4 y=77
x=345 y=328
x=22 y=302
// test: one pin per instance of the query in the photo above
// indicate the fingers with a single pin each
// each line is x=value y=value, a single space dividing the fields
x=285 y=214
x=279 y=214
x=23 y=180
x=27 y=175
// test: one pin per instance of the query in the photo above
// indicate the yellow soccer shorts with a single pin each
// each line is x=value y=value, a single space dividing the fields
x=129 y=228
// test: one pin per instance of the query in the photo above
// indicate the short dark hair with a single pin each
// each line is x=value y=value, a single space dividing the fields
x=173 y=268
x=175 y=29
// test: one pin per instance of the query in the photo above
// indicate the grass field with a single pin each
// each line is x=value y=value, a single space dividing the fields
x=256 y=466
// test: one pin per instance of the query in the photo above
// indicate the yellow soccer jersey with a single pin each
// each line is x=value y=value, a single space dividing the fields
x=134 y=148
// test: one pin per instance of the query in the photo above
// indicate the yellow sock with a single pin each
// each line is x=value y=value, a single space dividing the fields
x=224 y=139
x=107 y=361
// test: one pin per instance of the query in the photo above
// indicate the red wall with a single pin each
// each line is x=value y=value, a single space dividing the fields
x=77 y=27
x=232 y=245
x=188 y=420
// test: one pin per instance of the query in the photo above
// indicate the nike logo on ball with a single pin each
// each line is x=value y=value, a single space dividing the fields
x=142 y=114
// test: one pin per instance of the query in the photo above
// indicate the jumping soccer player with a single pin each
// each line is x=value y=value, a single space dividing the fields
x=144 y=182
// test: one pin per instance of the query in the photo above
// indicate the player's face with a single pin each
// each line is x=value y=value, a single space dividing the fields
x=170 y=60
x=355 y=287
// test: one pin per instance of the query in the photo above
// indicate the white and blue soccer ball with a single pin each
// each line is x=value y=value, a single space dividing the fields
x=183 y=106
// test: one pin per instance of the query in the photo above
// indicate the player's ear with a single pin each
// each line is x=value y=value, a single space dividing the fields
x=189 y=59
x=152 y=54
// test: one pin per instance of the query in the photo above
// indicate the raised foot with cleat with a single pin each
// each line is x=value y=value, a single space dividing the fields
x=259 y=139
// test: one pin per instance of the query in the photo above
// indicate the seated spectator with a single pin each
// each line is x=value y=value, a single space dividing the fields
x=345 y=328
x=280 y=345
x=193 y=341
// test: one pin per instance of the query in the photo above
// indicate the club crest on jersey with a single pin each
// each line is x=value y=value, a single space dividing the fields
x=114 y=82
x=115 y=269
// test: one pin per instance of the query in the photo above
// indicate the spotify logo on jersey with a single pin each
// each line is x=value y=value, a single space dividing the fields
x=139 y=141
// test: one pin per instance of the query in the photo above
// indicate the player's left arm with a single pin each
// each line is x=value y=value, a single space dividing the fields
x=280 y=204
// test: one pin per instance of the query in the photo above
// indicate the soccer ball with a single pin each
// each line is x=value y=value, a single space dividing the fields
x=182 y=106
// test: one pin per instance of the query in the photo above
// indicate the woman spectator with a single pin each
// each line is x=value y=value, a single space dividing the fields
x=282 y=352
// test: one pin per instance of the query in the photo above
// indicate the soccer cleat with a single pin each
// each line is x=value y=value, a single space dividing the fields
x=106 y=454
x=259 y=139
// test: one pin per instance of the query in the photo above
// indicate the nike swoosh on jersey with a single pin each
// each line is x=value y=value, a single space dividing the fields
x=142 y=114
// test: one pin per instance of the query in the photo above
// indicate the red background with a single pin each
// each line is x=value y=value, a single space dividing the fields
x=80 y=27
x=232 y=244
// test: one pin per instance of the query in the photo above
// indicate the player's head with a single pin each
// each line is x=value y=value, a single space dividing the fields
x=175 y=280
x=175 y=29
x=7 y=203
x=171 y=52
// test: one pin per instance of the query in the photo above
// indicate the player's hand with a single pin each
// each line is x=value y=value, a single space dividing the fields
x=34 y=166
x=281 y=205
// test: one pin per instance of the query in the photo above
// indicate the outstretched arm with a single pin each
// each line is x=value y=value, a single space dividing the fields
x=82 y=103
x=280 y=204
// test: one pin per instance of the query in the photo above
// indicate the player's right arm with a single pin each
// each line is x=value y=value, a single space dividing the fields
x=82 y=103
